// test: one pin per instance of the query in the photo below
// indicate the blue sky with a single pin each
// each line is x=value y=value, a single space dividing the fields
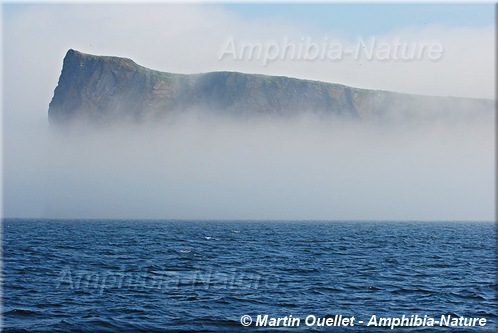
x=356 y=18
x=367 y=19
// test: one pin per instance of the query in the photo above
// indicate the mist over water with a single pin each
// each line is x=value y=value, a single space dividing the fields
x=203 y=166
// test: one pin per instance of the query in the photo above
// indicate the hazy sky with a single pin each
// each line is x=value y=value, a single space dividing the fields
x=302 y=170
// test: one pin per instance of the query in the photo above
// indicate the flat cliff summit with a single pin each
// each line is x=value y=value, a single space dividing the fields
x=104 y=89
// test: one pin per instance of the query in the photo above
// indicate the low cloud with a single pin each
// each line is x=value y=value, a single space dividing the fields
x=206 y=167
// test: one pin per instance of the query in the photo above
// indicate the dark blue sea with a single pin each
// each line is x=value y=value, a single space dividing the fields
x=173 y=276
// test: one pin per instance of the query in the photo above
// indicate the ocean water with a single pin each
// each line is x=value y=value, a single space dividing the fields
x=160 y=276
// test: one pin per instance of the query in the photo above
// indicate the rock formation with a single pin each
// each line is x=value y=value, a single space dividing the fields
x=106 y=89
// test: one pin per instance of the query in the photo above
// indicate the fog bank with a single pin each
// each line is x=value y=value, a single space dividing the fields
x=209 y=167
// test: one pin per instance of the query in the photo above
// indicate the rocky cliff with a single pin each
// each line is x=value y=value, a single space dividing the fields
x=107 y=89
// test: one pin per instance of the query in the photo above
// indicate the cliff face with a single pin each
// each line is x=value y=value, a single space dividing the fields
x=106 y=89
x=102 y=88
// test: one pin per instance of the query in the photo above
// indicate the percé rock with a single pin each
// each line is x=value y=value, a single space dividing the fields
x=107 y=89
